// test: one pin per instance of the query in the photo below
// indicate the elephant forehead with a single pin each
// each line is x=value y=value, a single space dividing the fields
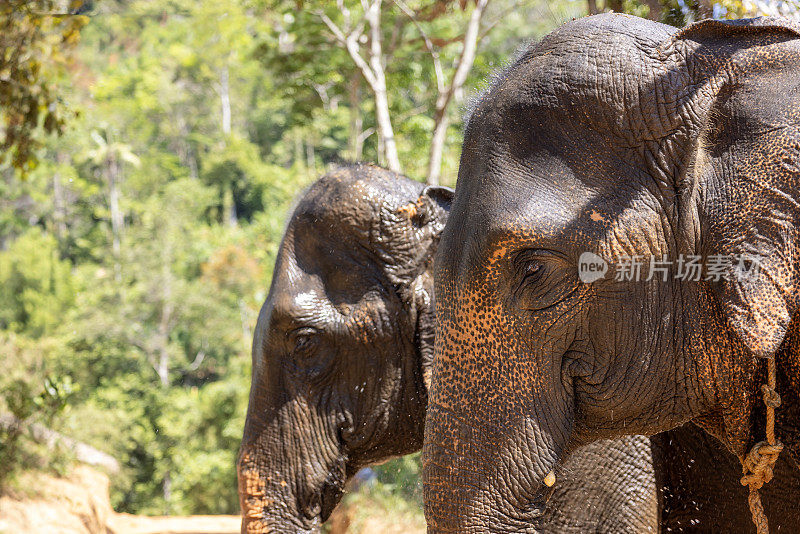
x=606 y=73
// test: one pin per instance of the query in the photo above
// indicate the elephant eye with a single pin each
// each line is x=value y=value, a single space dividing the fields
x=543 y=278
x=303 y=341
x=532 y=271
x=530 y=265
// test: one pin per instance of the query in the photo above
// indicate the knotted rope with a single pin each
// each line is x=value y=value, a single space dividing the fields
x=760 y=461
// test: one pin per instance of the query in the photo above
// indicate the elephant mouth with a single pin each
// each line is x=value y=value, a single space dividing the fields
x=536 y=509
x=532 y=512
x=526 y=518
x=319 y=507
x=331 y=494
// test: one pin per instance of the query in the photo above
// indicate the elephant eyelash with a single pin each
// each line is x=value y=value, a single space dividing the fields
x=530 y=265
x=303 y=340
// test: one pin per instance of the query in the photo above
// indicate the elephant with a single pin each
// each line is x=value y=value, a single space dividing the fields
x=608 y=486
x=340 y=354
x=699 y=490
x=615 y=142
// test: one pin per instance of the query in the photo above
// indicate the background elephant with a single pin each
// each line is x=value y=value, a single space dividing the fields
x=623 y=138
x=341 y=348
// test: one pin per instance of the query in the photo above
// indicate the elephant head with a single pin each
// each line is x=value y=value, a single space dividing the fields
x=341 y=344
x=621 y=142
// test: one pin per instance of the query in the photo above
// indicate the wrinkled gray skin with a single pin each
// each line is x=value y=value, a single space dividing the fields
x=339 y=357
x=699 y=490
x=621 y=137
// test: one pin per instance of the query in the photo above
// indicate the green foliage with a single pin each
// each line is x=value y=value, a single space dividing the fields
x=33 y=44
x=37 y=284
x=401 y=477
x=29 y=395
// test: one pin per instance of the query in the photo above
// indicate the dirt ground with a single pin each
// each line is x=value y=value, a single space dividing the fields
x=196 y=524
x=80 y=505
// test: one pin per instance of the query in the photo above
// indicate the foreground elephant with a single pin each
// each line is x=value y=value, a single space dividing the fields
x=625 y=139
x=343 y=342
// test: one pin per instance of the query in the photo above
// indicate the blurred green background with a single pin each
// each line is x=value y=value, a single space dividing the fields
x=151 y=150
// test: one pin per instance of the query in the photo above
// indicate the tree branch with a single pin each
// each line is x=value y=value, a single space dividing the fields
x=470 y=47
x=350 y=42
x=437 y=64
x=463 y=66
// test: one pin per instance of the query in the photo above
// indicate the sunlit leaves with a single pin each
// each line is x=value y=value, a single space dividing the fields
x=34 y=50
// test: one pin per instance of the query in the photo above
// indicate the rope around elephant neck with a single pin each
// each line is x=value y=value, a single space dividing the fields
x=760 y=461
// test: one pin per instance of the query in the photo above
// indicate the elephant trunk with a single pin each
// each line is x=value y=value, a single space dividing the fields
x=290 y=470
x=268 y=499
x=493 y=477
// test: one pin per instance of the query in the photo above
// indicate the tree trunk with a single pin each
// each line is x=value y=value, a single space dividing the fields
x=592 y=5
x=437 y=146
x=356 y=119
x=229 y=216
x=59 y=204
x=165 y=319
x=445 y=97
x=167 y=487
x=225 y=100
x=311 y=159
x=162 y=342
x=113 y=175
x=615 y=5
x=382 y=115
x=51 y=439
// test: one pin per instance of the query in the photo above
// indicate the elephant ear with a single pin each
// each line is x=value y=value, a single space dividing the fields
x=410 y=233
x=746 y=166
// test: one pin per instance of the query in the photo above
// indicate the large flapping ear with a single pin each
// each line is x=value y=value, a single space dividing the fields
x=746 y=162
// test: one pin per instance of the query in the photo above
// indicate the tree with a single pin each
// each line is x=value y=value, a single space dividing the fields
x=350 y=36
x=383 y=41
x=34 y=48
x=446 y=90
x=109 y=157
